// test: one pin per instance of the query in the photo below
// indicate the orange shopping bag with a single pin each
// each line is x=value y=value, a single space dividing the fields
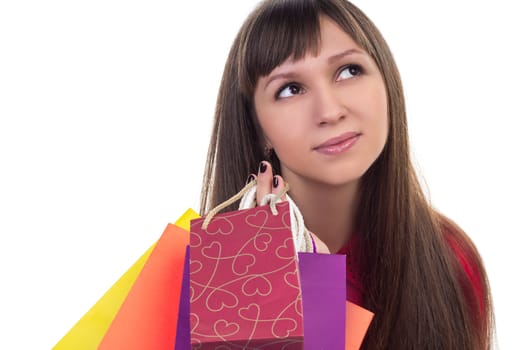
x=89 y=331
x=148 y=317
x=357 y=322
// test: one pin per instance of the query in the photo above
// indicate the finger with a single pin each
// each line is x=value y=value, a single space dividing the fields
x=264 y=181
x=278 y=186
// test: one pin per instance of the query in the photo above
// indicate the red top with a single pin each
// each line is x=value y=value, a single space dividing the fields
x=472 y=288
x=354 y=285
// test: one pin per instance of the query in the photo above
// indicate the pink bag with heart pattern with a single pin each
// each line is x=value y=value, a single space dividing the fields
x=244 y=282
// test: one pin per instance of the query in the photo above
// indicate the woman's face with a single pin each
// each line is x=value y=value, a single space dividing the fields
x=325 y=116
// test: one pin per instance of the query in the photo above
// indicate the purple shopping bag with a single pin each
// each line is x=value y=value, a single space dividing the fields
x=182 y=339
x=323 y=284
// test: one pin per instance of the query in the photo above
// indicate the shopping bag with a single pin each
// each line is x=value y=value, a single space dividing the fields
x=88 y=332
x=182 y=339
x=358 y=320
x=323 y=286
x=244 y=282
x=148 y=317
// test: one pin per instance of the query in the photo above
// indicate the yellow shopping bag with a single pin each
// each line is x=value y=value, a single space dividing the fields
x=89 y=331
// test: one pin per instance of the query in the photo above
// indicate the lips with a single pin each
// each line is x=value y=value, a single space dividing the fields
x=338 y=144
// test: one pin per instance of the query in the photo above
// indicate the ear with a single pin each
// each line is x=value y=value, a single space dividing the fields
x=268 y=149
x=267 y=143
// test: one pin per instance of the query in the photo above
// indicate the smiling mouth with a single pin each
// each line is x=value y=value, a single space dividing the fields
x=338 y=144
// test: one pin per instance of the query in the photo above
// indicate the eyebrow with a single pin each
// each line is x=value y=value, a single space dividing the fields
x=331 y=60
x=348 y=52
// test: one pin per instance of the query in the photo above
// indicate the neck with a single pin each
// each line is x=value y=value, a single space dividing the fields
x=328 y=211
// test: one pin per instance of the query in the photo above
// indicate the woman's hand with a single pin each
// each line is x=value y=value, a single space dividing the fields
x=274 y=184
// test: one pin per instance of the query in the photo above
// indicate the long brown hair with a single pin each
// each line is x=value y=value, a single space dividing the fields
x=413 y=280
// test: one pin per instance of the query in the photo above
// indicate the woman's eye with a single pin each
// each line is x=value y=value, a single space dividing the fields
x=349 y=71
x=288 y=91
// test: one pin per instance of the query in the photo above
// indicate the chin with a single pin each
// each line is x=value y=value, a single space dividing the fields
x=340 y=179
x=341 y=175
x=330 y=175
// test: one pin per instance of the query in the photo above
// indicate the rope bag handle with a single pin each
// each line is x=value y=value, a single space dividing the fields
x=302 y=239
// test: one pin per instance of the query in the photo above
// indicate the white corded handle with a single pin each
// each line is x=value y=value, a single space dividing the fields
x=301 y=238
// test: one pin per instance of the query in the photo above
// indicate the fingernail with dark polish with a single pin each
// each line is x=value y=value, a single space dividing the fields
x=262 y=167
x=250 y=178
x=275 y=182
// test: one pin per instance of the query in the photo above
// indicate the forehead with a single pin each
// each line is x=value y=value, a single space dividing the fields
x=334 y=45
x=333 y=40
x=332 y=36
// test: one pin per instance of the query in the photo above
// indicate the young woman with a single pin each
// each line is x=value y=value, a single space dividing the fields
x=311 y=95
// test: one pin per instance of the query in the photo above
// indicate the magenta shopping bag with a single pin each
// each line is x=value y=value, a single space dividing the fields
x=323 y=286
x=182 y=340
x=244 y=282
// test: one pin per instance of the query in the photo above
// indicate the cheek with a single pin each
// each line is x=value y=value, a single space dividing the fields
x=383 y=114
x=373 y=112
x=282 y=126
x=378 y=109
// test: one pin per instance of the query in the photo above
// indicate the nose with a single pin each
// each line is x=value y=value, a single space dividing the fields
x=329 y=106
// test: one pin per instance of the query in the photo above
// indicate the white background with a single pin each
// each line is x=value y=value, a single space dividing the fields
x=105 y=113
